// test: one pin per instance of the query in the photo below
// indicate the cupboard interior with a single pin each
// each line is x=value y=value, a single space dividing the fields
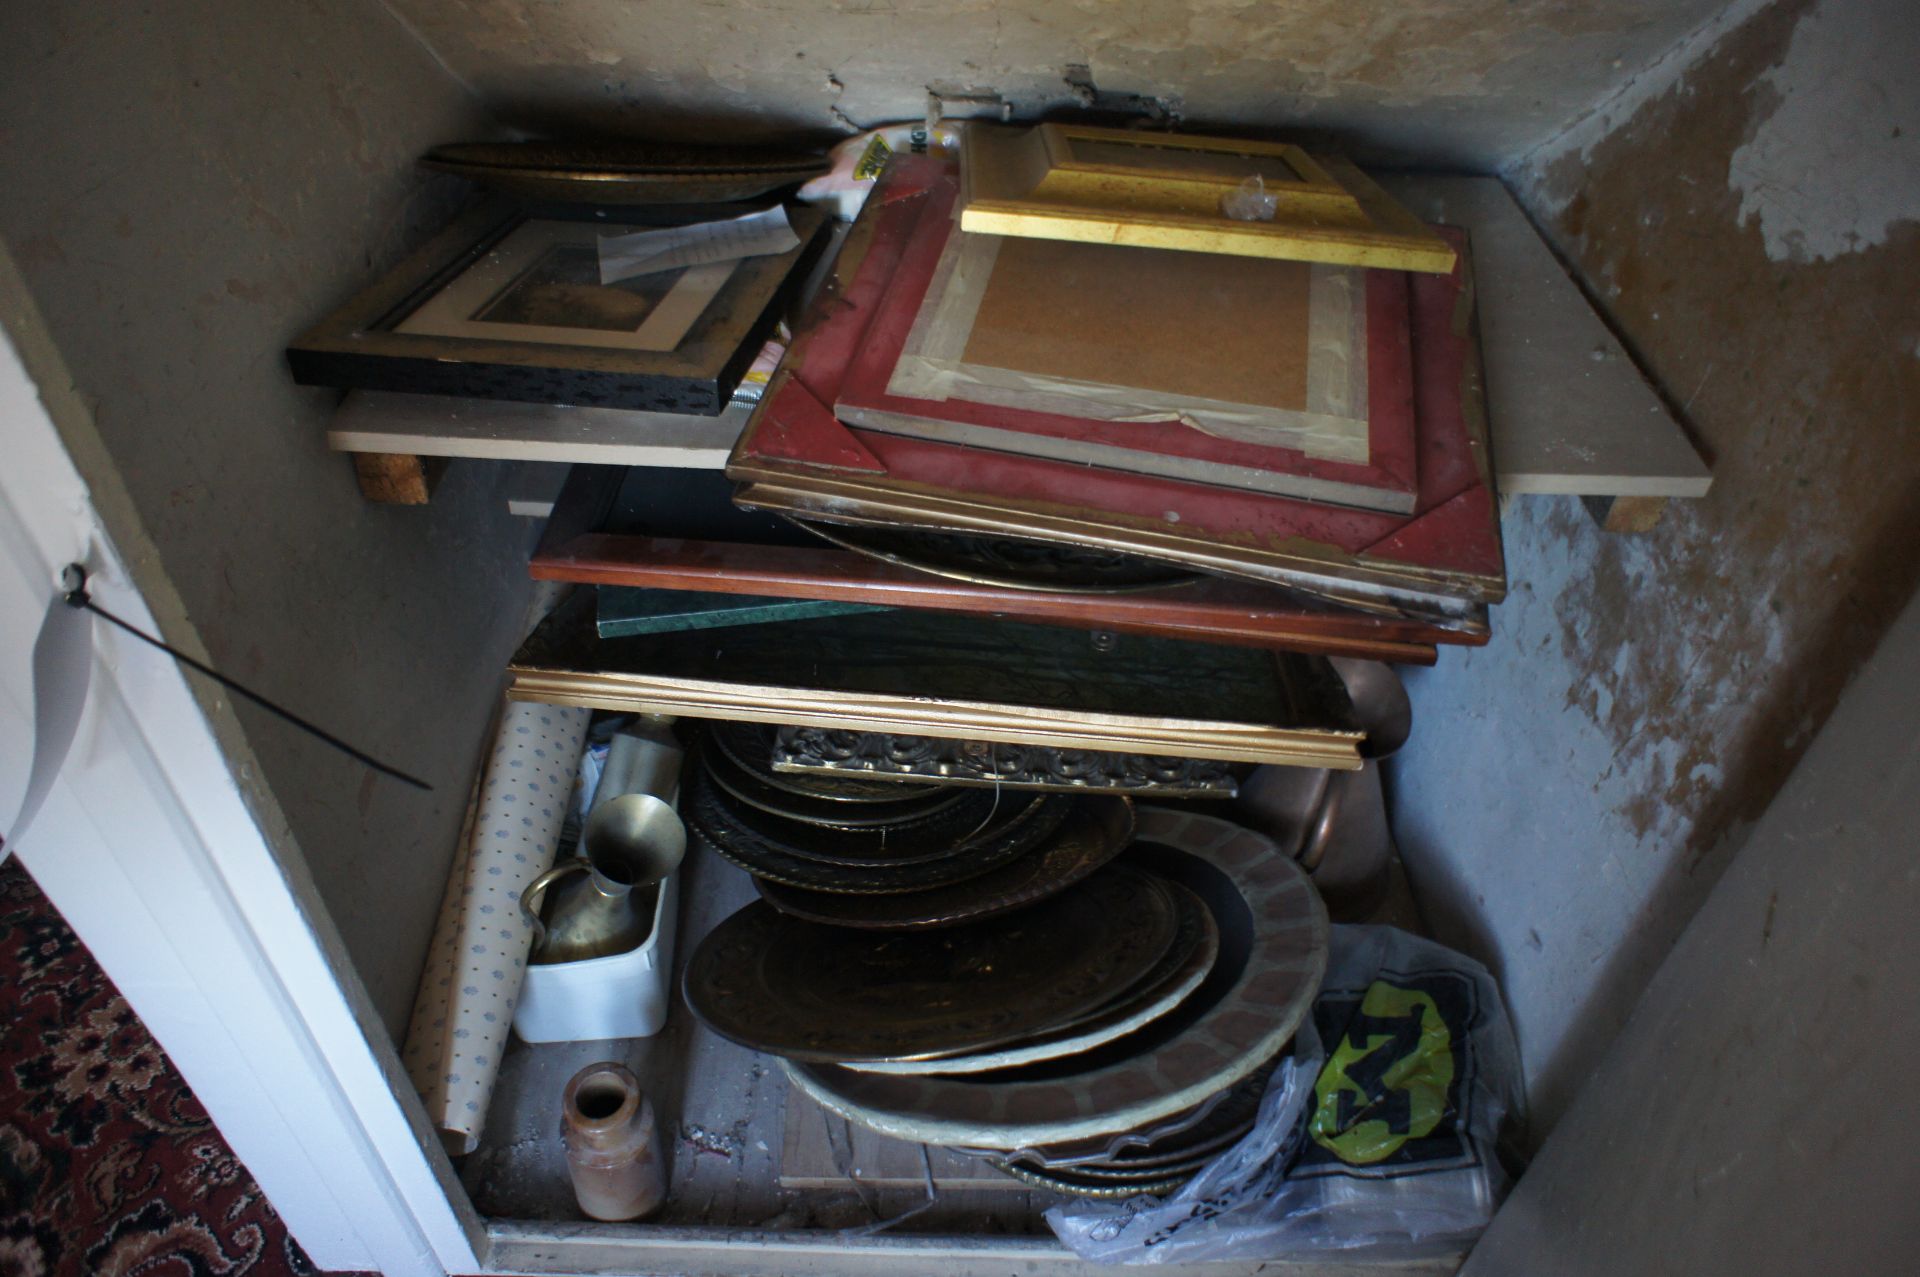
x=1570 y=793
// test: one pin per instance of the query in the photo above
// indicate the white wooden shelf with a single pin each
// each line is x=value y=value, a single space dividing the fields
x=500 y=430
x=1569 y=411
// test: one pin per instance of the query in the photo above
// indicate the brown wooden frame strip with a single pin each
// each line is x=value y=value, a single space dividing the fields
x=1220 y=611
x=1213 y=611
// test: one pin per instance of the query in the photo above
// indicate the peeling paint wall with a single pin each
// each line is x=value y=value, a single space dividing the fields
x=1444 y=82
x=1750 y=220
x=188 y=185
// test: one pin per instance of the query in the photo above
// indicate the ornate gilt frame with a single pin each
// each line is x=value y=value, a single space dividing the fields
x=1059 y=181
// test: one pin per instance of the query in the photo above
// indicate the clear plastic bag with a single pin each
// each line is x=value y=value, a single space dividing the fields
x=1250 y=202
x=1382 y=1131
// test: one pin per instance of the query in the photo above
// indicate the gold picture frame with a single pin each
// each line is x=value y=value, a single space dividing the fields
x=922 y=673
x=1164 y=190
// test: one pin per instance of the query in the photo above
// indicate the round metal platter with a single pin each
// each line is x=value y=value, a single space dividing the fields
x=625 y=173
x=1158 y=1185
x=914 y=840
x=1178 y=973
x=805 y=991
x=788 y=805
x=1186 y=1158
x=1224 y=1123
x=1121 y=1172
x=1007 y=562
x=1023 y=821
x=622 y=156
x=1242 y=1015
x=1106 y=1147
x=1093 y=833
x=750 y=746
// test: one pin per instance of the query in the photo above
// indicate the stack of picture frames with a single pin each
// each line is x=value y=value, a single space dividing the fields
x=612 y=276
x=1065 y=457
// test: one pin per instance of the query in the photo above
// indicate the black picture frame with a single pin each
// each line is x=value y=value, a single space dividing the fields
x=358 y=347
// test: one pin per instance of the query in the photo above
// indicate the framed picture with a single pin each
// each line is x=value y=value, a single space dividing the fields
x=1292 y=378
x=1165 y=190
x=1440 y=564
x=508 y=304
x=656 y=530
x=925 y=673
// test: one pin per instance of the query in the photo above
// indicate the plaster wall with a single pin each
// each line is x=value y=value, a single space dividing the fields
x=189 y=184
x=1754 y=1117
x=1440 y=83
x=1748 y=215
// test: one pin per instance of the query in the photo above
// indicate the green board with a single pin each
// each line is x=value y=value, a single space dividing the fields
x=628 y=612
x=938 y=656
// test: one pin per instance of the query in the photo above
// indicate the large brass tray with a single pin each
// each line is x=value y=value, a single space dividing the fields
x=805 y=991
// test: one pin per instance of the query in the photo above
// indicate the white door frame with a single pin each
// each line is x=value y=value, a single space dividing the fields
x=155 y=854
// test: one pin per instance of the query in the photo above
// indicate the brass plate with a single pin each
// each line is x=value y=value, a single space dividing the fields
x=1007 y=562
x=1184 y=1159
x=751 y=747
x=910 y=837
x=624 y=172
x=810 y=992
x=1106 y=1147
x=622 y=157
x=1024 y=820
x=1237 y=1021
x=1157 y=1185
x=1223 y=1123
x=1094 y=832
x=1196 y=945
x=913 y=811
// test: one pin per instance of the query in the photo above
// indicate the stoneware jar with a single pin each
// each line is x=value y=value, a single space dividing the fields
x=613 y=1144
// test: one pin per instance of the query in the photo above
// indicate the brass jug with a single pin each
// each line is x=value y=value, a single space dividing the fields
x=602 y=901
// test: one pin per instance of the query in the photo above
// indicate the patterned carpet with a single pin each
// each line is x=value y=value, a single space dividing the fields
x=108 y=1164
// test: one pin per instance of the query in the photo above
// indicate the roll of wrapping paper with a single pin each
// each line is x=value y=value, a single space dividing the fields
x=464 y=1009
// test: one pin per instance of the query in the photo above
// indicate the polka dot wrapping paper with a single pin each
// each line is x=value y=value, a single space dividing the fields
x=464 y=1009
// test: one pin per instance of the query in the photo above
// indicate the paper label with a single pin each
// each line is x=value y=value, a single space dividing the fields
x=872 y=160
x=670 y=248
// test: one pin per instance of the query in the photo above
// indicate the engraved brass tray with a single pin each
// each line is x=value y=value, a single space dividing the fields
x=1157 y=1183
x=625 y=172
x=1021 y=822
x=1179 y=972
x=1238 y=1020
x=1224 y=1121
x=910 y=812
x=810 y=992
x=1093 y=833
x=753 y=745
x=890 y=757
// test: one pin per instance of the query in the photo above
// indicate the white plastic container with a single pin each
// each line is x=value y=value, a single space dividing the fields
x=622 y=995
x=618 y=995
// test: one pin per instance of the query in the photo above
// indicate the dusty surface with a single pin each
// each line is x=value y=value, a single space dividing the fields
x=188 y=185
x=1658 y=689
x=1744 y=1122
x=721 y=1111
x=1463 y=82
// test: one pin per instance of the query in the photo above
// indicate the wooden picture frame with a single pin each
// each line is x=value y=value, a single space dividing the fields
x=689 y=339
x=961 y=677
x=1210 y=442
x=1441 y=565
x=1164 y=190
x=580 y=546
